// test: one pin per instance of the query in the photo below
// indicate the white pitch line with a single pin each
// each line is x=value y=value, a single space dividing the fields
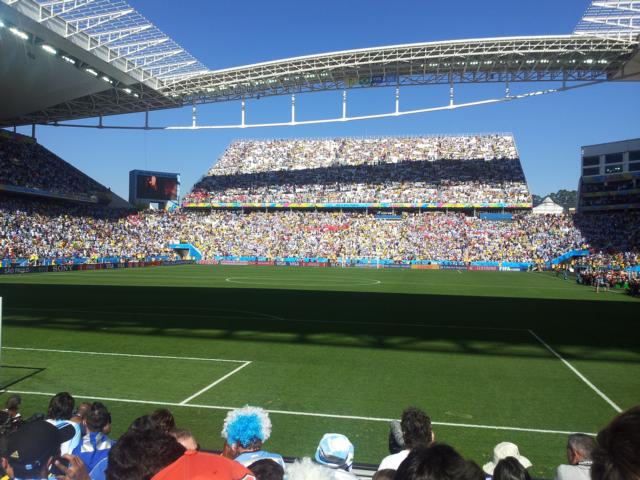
x=133 y=355
x=302 y=414
x=580 y=375
x=210 y=386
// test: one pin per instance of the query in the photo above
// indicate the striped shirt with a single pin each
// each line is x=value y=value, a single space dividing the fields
x=93 y=448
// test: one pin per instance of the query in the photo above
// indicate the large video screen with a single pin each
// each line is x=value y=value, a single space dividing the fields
x=153 y=187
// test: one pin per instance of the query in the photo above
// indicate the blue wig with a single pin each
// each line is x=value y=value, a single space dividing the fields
x=246 y=425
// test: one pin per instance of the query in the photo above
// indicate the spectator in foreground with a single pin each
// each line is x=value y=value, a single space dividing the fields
x=163 y=419
x=245 y=430
x=59 y=415
x=80 y=414
x=386 y=474
x=140 y=454
x=504 y=450
x=416 y=432
x=336 y=452
x=305 y=469
x=142 y=423
x=31 y=450
x=510 y=469
x=95 y=444
x=396 y=441
x=579 y=450
x=617 y=455
x=185 y=438
x=194 y=465
x=267 y=470
x=437 y=462
x=12 y=407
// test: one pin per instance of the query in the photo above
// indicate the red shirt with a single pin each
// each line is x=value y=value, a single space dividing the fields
x=194 y=465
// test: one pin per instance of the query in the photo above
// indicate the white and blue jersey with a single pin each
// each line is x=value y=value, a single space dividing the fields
x=93 y=448
x=248 y=458
x=68 y=446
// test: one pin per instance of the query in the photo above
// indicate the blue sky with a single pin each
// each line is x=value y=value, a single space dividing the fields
x=549 y=130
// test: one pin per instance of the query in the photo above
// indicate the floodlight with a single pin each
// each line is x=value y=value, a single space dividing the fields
x=136 y=95
x=91 y=71
x=68 y=59
x=49 y=49
x=127 y=90
x=2 y=24
x=107 y=79
x=19 y=33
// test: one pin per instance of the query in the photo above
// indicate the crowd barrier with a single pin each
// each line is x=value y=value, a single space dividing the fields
x=25 y=262
x=67 y=265
x=370 y=263
x=21 y=269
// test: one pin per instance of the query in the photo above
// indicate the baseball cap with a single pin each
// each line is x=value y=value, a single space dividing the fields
x=504 y=450
x=29 y=448
x=195 y=465
x=335 y=451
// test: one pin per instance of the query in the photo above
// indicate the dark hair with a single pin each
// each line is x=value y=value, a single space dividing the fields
x=416 y=428
x=61 y=406
x=142 y=424
x=163 y=419
x=266 y=469
x=437 y=462
x=616 y=456
x=139 y=455
x=13 y=402
x=384 y=474
x=510 y=468
x=98 y=417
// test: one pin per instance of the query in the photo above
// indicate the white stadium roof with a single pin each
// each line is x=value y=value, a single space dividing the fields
x=71 y=59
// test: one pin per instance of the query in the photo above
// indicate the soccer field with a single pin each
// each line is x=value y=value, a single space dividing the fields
x=490 y=356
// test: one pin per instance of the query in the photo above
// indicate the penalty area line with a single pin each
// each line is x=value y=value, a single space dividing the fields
x=300 y=414
x=578 y=374
x=211 y=385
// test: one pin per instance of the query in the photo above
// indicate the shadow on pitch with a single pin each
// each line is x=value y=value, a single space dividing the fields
x=13 y=374
x=588 y=330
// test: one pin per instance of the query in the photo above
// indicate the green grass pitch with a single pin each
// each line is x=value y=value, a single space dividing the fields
x=330 y=350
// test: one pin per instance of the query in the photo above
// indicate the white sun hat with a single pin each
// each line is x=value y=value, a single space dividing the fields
x=504 y=450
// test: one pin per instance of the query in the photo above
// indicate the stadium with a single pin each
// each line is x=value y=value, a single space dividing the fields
x=390 y=301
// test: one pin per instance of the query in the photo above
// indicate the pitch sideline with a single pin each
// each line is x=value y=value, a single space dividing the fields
x=302 y=414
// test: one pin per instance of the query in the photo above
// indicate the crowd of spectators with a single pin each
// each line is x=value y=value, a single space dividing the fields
x=74 y=444
x=439 y=169
x=404 y=169
x=34 y=230
x=27 y=164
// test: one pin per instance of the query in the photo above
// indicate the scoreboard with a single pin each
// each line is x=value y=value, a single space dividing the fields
x=153 y=187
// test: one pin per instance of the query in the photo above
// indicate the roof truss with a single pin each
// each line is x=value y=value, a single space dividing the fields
x=82 y=24
x=611 y=19
x=113 y=31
